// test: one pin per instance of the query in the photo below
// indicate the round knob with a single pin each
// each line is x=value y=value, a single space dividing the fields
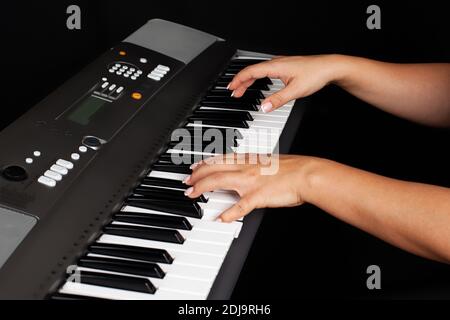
x=92 y=142
x=15 y=173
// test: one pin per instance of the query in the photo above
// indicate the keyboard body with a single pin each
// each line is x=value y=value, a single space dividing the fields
x=74 y=158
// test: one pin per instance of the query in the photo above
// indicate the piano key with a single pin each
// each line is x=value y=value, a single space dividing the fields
x=266 y=125
x=199 y=224
x=158 y=193
x=236 y=105
x=118 y=282
x=182 y=256
x=118 y=294
x=160 y=182
x=203 y=155
x=172 y=222
x=182 y=209
x=222 y=123
x=232 y=114
x=202 y=132
x=140 y=268
x=144 y=254
x=221 y=147
x=71 y=297
x=155 y=234
x=172 y=168
x=192 y=235
x=187 y=247
x=167 y=175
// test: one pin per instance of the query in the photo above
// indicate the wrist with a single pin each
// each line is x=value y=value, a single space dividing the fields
x=340 y=67
x=312 y=172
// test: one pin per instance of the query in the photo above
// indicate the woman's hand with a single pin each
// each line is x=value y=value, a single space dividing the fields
x=283 y=188
x=302 y=76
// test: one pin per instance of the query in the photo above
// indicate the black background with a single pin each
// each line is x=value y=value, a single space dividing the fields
x=299 y=252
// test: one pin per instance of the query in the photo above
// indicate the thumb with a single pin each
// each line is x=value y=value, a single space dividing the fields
x=278 y=99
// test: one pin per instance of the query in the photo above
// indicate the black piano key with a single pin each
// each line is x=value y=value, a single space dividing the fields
x=201 y=148
x=224 y=114
x=167 y=183
x=155 y=234
x=234 y=105
x=245 y=62
x=169 y=167
x=222 y=123
x=130 y=252
x=143 y=285
x=262 y=81
x=257 y=85
x=158 y=193
x=139 y=268
x=179 y=207
x=164 y=206
x=193 y=145
x=153 y=220
x=227 y=93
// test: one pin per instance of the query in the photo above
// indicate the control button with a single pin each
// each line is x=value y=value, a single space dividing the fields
x=37 y=153
x=112 y=70
x=53 y=175
x=119 y=90
x=160 y=71
x=47 y=181
x=133 y=78
x=122 y=53
x=139 y=72
x=154 y=77
x=75 y=156
x=163 y=68
x=92 y=142
x=112 y=87
x=157 y=74
x=105 y=85
x=64 y=163
x=59 y=169
x=104 y=79
x=126 y=75
x=117 y=65
x=125 y=67
x=29 y=160
x=14 y=173
x=83 y=149
x=132 y=69
x=119 y=73
x=136 y=96
x=143 y=60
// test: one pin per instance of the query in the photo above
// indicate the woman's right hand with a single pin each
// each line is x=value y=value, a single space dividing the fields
x=302 y=75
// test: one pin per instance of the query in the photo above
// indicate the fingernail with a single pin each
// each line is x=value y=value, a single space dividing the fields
x=189 y=191
x=228 y=87
x=187 y=179
x=193 y=166
x=232 y=94
x=219 y=220
x=266 y=107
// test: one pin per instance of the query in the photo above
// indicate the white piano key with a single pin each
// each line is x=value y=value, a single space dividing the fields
x=249 y=57
x=228 y=197
x=168 y=175
x=265 y=125
x=87 y=290
x=207 y=154
x=269 y=118
x=188 y=246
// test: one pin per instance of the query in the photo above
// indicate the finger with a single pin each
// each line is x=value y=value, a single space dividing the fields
x=278 y=99
x=239 y=91
x=238 y=210
x=216 y=181
x=253 y=72
x=208 y=169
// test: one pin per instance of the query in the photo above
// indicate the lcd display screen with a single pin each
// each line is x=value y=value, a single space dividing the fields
x=85 y=111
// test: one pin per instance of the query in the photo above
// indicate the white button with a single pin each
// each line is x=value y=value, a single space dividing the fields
x=119 y=90
x=136 y=75
x=119 y=73
x=117 y=65
x=37 y=153
x=75 y=156
x=83 y=149
x=132 y=69
x=157 y=73
x=133 y=78
x=160 y=71
x=47 y=182
x=53 y=175
x=111 y=70
x=164 y=68
x=59 y=169
x=143 y=60
x=112 y=87
x=126 y=75
x=65 y=164
x=154 y=77
x=139 y=72
x=104 y=79
x=124 y=67
x=105 y=85
x=29 y=160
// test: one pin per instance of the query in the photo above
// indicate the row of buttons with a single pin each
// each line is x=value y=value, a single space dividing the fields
x=60 y=169
x=109 y=90
x=126 y=71
x=159 y=72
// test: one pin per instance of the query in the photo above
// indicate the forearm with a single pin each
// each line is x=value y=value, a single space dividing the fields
x=412 y=216
x=418 y=92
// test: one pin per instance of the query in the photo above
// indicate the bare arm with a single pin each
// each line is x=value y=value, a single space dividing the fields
x=418 y=92
x=412 y=216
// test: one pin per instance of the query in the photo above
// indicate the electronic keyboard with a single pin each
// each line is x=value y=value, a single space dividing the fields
x=92 y=202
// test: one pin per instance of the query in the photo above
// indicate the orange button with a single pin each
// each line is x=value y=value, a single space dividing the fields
x=136 y=96
x=122 y=53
